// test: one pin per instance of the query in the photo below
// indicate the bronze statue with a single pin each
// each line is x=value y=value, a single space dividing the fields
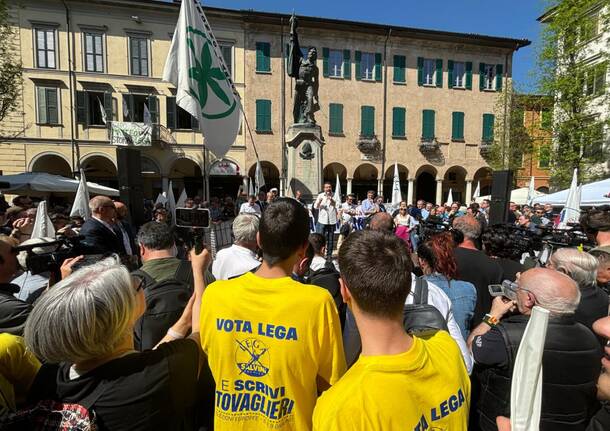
x=306 y=73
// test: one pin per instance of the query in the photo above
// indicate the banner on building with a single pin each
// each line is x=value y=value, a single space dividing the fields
x=131 y=134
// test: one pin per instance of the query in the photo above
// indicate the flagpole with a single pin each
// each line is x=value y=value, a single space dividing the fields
x=206 y=176
x=284 y=187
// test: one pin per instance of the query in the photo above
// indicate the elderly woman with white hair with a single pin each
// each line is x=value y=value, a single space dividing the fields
x=582 y=268
x=82 y=329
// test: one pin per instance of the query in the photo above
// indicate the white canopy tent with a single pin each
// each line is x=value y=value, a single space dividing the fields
x=592 y=194
x=41 y=183
x=518 y=196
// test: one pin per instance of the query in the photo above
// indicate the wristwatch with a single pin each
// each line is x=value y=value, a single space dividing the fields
x=490 y=320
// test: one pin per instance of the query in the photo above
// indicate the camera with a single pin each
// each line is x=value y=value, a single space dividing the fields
x=507 y=289
x=53 y=254
x=196 y=218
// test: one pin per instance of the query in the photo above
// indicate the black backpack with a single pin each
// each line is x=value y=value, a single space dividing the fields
x=165 y=302
x=328 y=278
x=421 y=318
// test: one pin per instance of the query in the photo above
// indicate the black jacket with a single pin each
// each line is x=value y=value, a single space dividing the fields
x=100 y=240
x=13 y=311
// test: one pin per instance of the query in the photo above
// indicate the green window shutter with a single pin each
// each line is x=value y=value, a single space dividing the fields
x=263 y=63
x=263 y=115
x=398 y=122
x=153 y=108
x=399 y=68
x=481 y=76
x=457 y=126
x=439 y=72
x=428 y=124
x=336 y=118
x=52 y=106
x=488 y=127
x=347 y=65
x=325 y=52
x=367 y=121
x=108 y=106
x=449 y=73
x=81 y=107
x=499 y=76
x=420 y=71
x=170 y=107
x=357 y=59
x=42 y=105
x=469 y=75
x=378 y=66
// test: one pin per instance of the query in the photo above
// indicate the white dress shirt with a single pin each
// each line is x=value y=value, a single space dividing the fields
x=233 y=261
x=246 y=208
x=328 y=209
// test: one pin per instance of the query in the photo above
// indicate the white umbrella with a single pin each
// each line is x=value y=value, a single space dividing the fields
x=161 y=199
x=337 y=196
x=531 y=192
x=396 y=193
x=571 y=211
x=80 y=207
x=43 y=226
x=182 y=199
x=450 y=198
x=526 y=386
x=477 y=191
x=171 y=202
x=37 y=183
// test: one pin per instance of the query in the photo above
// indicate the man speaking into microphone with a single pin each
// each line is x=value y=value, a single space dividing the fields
x=327 y=218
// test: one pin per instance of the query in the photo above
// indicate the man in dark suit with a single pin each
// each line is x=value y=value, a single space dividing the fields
x=101 y=235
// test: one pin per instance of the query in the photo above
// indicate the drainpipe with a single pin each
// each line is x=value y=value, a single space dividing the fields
x=73 y=143
x=385 y=104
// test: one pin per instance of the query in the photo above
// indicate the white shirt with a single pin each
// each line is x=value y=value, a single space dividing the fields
x=346 y=209
x=442 y=303
x=318 y=262
x=246 y=208
x=328 y=211
x=233 y=261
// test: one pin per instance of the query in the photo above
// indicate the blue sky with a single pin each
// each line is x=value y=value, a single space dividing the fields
x=508 y=18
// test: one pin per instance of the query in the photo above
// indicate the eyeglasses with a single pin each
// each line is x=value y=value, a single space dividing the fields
x=139 y=280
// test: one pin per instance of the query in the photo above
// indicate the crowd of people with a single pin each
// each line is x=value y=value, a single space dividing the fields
x=390 y=327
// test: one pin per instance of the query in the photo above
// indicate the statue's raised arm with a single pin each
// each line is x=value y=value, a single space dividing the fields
x=294 y=49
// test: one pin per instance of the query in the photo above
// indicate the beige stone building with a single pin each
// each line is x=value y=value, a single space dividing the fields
x=423 y=99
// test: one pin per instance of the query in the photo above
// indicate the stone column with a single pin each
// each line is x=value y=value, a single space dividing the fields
x=349 y=186
x=439 y=192
x=468 y=192
x=410 y=191
x=282 y=186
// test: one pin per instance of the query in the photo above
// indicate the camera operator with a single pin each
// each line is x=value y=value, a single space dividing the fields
x=582 y=267
x=13 y=311
x=499 y=245
x=570 y=360
x=596 y=223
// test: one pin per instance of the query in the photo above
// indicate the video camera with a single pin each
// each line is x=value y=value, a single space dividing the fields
x=428 y=228
x=53 y=253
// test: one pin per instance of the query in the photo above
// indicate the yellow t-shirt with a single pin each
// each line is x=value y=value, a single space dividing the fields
x=18 y=368
x=266 y=341
x=425 y=388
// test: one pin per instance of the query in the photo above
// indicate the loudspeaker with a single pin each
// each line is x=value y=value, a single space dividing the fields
x=500 y=196
x=130 y=183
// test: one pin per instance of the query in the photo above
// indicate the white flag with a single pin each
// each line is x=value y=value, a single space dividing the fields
x=102 y=110
x=182 y=199
x=337 y=196
x=531 y=192
x=259 y=179
x=161 y=199
x=80 y=207
x=147 y=116
x=171 y=202
x=396 y=193
x=477 y=191
x=250 y=187
x=571 y=211
x=43 y=226
x=195 y=66
x=526 y=385
x=125 y=110
x=450 y=198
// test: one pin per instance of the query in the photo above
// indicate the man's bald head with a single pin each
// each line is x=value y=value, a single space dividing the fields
x=382 y=222
x=103 y=208
x=552 y=290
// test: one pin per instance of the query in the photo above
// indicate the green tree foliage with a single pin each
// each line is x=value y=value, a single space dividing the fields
x=573 y=74
x=10 y=65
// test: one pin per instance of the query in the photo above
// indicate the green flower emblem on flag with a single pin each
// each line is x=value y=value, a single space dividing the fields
x=208 y=77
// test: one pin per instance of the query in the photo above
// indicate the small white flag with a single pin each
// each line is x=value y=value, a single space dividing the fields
x=80 y=207
x=195 y=66
x=396 y=192
x=259 y=177
x=43 y=226
x=102 y=110
x=571 y=211
x=147 y=116
x=477 y=191
x=250 y=187
x=337 y=196
x=125 y=110
x=531 y=192
x=171 y=202
x=450 y=198
x=182 y=199
x=161 y=199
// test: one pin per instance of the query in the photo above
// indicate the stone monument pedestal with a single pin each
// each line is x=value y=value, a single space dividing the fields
x=305 y=143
